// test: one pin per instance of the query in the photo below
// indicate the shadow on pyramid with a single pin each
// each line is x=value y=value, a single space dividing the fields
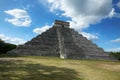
x=64 y=42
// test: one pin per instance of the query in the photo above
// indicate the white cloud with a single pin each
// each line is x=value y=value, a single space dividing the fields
x=7 y=39
x=114 y=14
x=82 y=12
x=20 y=17
x=118 y=4
x=116 y=40
x=89 y=36
x=42 y=29
x=114 y=50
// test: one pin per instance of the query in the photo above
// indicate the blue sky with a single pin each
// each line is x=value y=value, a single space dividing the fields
x=97 y=20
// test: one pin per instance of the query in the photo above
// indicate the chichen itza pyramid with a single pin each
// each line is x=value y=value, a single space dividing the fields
x=64 y=42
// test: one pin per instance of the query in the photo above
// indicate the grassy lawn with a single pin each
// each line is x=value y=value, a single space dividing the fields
x=52 y=68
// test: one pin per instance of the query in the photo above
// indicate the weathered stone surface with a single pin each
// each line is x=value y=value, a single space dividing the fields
x=63 y=42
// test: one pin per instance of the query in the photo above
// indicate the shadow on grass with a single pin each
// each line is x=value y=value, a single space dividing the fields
x=20 y=70
x=8 y=55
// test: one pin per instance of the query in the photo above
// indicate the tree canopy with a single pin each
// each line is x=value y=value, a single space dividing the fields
x=5 y=47
x=115 y=54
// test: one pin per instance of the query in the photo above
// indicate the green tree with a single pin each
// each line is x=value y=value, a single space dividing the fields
x=5 y=47
x=115 y=54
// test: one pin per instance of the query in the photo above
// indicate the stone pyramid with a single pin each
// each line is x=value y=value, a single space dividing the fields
x=62 y=41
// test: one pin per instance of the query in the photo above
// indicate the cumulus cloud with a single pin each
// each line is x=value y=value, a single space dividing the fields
x=89 y=36
x=114 y=14
x=82 y=12
x=20 y=17
x=42 y=29
x=116 y=40
x=114 y=50
x=7 y=39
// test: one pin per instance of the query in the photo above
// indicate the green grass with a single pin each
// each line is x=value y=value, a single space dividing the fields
x=53 y=68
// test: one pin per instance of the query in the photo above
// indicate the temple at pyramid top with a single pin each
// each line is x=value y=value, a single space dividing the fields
x=59 y=23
